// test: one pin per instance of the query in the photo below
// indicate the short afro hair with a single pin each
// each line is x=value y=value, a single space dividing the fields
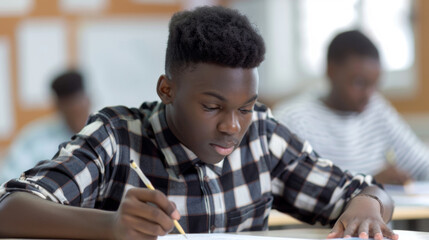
x=215 y=35
x=351 y=43
x=67 y=84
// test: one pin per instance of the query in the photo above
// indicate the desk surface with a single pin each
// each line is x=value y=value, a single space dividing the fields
x=321 y=233
x=401 y=213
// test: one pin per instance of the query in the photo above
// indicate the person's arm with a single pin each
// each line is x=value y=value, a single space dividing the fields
x=71 y=183
x=411 y=155
x=313 y=190
x=392 y=175
x=23 y=215
x=368 y=212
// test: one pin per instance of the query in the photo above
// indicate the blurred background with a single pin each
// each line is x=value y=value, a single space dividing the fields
x=120 y=44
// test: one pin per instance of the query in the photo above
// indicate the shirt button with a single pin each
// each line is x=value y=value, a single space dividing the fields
x=212 y=228
x=206 y=178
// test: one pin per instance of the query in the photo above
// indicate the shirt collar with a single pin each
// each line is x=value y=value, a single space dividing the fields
x=178 y=156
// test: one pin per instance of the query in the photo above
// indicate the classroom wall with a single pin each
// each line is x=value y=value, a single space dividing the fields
x=419 y=102
x=42 y=9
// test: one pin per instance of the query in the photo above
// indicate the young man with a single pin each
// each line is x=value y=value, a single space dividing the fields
x=353 y=125
x=39 y=140
x=218 y=159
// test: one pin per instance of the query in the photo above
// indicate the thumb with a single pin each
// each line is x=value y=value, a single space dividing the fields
x=174 y=214
x=337 y=231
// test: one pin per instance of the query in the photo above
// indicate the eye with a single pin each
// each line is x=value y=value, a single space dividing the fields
x=210 y=108
x=245 y=111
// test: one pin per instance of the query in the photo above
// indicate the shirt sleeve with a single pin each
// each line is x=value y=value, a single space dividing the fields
x=16 y=157
x=306 y=186
x=76 y=173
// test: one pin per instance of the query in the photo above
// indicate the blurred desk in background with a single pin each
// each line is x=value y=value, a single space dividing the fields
x=401 y=213
x=411 y=203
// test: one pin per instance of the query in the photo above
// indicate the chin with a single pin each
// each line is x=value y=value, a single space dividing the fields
x=212 y=160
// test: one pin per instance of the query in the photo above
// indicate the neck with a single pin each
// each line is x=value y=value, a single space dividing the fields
x=331 y=102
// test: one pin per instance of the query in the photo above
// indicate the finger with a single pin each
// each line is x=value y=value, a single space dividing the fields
x=363 y=230
x=337 y=230
x=387 y=232
x=175 y=215
x=351 y=229
x=144 y=211
x=146 y=227
x=158 y=198
x=375 y=232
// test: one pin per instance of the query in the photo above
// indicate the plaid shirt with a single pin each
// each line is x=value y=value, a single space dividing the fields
x=271 y=168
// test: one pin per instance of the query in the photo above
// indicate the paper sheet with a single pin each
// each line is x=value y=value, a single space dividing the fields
x=224 y=236
x=6 y=113
x=219 y=236
x=413 y=188
x=413 y=194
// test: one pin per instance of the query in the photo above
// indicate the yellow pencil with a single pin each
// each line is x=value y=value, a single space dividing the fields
x=150 y=186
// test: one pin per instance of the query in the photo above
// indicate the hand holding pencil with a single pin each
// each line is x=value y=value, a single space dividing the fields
x=391 y=174
x=150 y=186
x=143 y=214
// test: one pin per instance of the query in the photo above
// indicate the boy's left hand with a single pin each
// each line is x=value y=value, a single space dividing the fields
x=362 y=218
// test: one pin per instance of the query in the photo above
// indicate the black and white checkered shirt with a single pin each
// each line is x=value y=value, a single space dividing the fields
x=272 y=168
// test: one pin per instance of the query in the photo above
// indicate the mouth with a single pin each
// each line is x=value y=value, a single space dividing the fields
x=223 y=150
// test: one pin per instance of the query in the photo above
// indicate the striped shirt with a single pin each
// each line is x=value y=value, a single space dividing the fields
x=355 y=141
x=270 y=169
x=37 y=141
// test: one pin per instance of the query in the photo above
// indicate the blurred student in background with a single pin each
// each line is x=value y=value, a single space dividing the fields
x=353 y=125
x=39 y=139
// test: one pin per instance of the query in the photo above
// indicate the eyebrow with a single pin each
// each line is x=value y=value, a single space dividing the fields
x=220 y=97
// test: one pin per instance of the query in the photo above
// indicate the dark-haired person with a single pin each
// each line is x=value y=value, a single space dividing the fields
x=352 y=124
x=39 y=139
x=208 y=147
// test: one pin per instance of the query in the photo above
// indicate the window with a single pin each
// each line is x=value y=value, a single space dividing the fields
x=297 y=34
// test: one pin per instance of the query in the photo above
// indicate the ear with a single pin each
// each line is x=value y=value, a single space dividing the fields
x=331 y=70
x=164 y=88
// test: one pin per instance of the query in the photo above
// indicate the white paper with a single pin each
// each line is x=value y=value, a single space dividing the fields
x=412 y=194
x=223 y=236
x=6 y=113
x=15 y=7
x=42 y=54
x=413 y=188
x=219 y=236
x=123 y=59
x=403 y=200
x=78 y=6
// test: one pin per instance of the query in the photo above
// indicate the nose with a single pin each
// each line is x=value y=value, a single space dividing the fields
x=229 y=124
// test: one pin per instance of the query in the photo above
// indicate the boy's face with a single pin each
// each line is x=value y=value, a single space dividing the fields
x=75 y=109
x=353 y=82
x=209 y=108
